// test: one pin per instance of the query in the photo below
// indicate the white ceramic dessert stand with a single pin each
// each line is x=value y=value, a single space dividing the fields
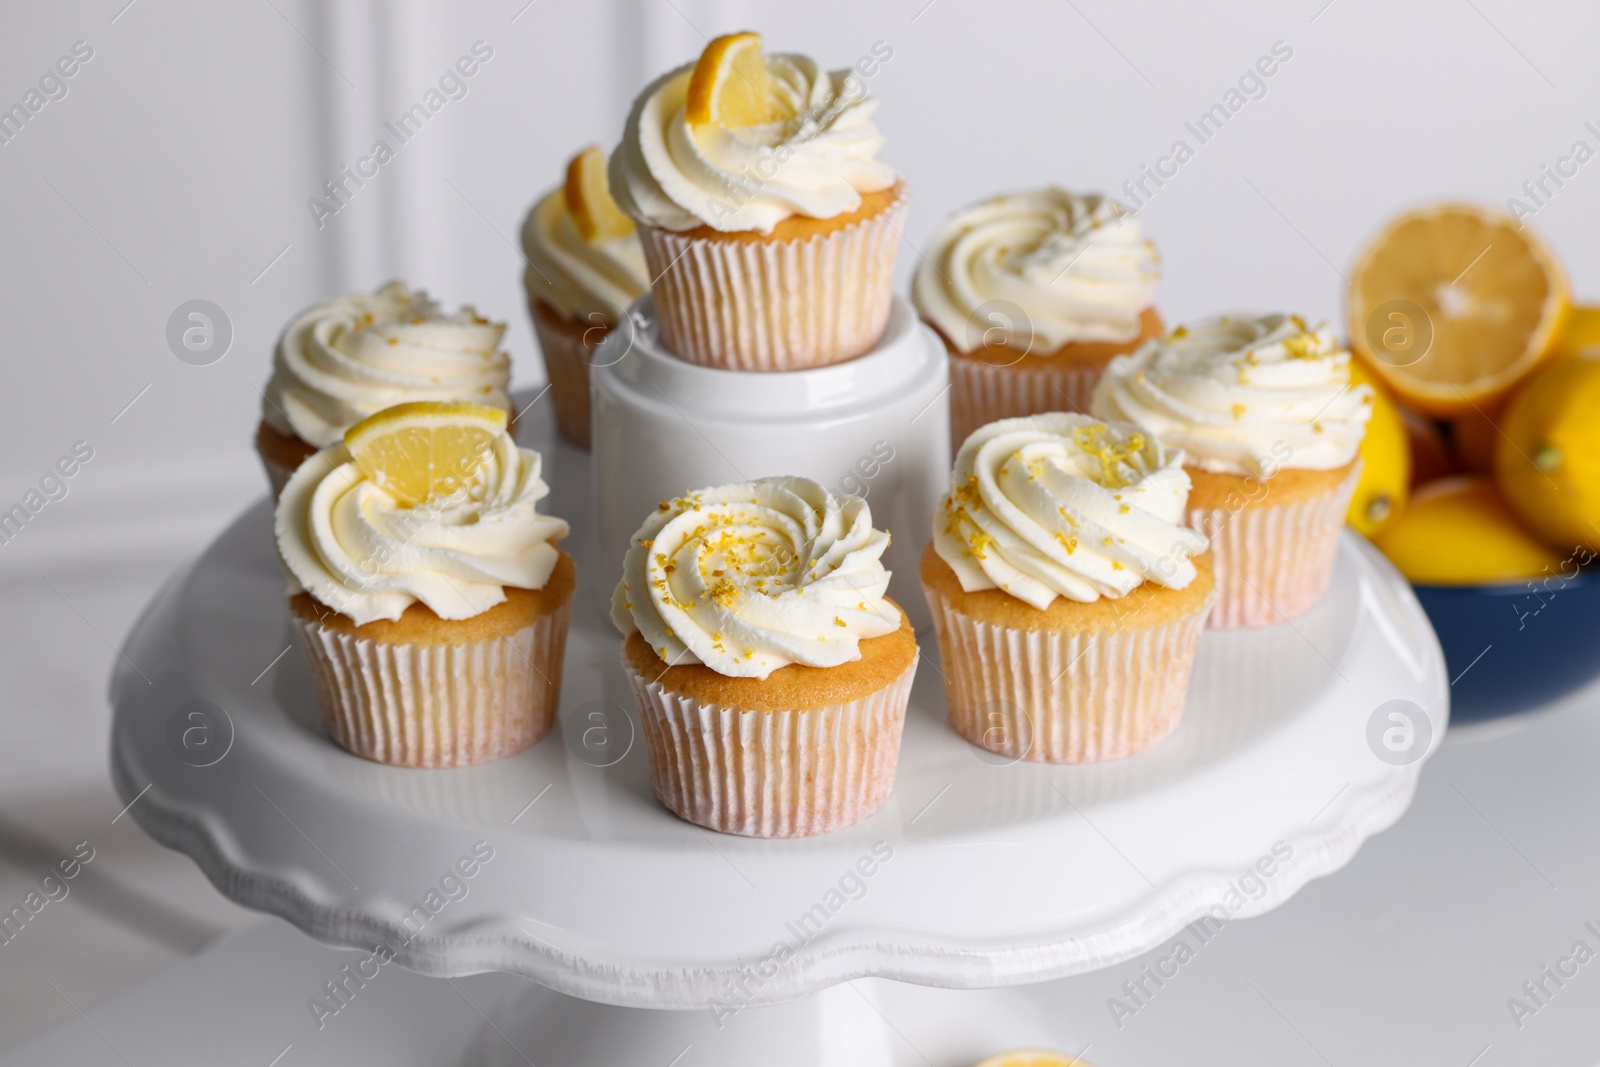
x=981 y=874
x=877 y=427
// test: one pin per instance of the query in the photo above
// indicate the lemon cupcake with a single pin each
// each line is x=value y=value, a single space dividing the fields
x=584 y=268
x=1271 y=425
x=1067 y=593
x=355 y=355
x=769 y=225
x=771 y=671
x=1034 y=293
x=425 y=587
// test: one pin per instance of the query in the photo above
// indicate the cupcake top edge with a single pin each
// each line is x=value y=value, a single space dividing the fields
x=1036 y=270
x=805 y=146
x=584 y=256
x=344 y=359
x=1244 y=396
x=1065 y=505
x=369 y=554
x=754 y=576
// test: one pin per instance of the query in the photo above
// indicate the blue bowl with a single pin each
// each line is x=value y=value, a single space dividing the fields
x=1516 y=646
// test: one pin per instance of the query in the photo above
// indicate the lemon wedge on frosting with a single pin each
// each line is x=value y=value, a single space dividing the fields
x=731 y=85
x=424 y=450
x=588 y=197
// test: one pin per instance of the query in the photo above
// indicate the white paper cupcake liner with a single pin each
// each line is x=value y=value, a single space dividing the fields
x=444 y=705
x=980 y=392
x=775 y=305
x=1065 y=698
x=771 y=773
x=566 y=363
x=1273 y=563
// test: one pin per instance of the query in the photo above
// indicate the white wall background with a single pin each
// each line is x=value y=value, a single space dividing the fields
x=179 y=164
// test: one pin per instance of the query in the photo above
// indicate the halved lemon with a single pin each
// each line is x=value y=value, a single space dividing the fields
x=1033 y=1057
x=731 y=85
x=1453 y=304
x=588 y=197
x=424 y=450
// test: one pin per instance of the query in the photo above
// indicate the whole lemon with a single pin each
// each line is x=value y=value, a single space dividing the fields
x=1547 y=461
x=1580 y=331
x=1385 y=461
x=1457 y=531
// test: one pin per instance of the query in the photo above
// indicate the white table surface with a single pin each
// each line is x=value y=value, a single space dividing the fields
x=1407 y=956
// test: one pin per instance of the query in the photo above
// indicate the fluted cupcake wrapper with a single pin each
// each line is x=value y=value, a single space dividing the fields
x=1064 y=697
x=775 y=305
x=566 y=362
x=438 y=705
x=772 y=773
x=1273 y=563
x=981 y=393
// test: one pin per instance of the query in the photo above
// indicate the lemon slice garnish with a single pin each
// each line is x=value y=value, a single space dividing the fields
x=588 y=197
x=425 y=450
x=731 y=85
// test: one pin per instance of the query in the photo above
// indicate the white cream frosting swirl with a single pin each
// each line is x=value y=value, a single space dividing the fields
x=355 y=355
x=751 y=577
x=1076 y=267
x=584 y=280
x=677 y=176
x=1243 y=396
x=353 y=547
x=1064 y=505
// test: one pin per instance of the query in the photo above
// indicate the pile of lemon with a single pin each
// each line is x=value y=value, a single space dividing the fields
x=1482 y=460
